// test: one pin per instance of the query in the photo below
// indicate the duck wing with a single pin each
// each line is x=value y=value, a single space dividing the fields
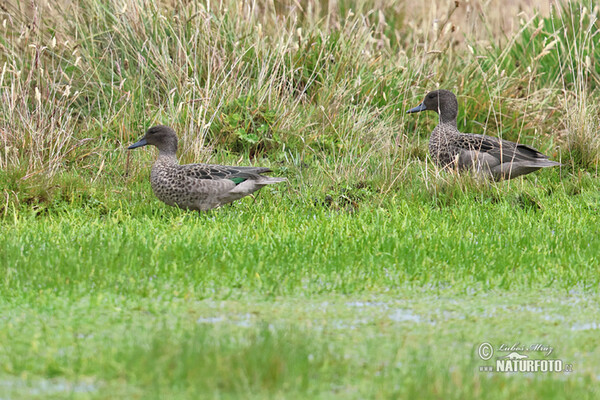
x=502 y=150
x=213 y=171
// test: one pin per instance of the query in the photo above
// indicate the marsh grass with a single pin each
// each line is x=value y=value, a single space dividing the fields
x=283 y=81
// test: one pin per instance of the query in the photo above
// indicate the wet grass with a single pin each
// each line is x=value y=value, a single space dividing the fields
x=398 y=345
x=277 y=297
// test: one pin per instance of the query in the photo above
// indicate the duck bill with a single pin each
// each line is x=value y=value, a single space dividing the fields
x=140 y=143
x=419 y=108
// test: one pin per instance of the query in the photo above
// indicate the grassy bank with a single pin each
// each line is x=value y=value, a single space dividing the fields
x=275 y=298
x=276 y=247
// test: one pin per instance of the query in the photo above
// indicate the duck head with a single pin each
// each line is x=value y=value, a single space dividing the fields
x=161 y=136
x=442 y=102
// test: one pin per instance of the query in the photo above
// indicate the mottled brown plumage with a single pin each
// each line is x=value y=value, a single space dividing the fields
x=197 y=186
x=489 y=155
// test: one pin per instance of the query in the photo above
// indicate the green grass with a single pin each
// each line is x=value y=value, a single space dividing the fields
x=371 y=274
x=280 y=247
x=412 y=343
x=280 y=298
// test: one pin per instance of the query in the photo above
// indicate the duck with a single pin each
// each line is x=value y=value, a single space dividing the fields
x=493 y=157
x=198 y=187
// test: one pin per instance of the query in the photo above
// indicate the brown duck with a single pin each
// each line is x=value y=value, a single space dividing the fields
x=197 y=186
x=491 y=156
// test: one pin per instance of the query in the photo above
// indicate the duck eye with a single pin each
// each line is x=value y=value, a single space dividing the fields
x=431 y=96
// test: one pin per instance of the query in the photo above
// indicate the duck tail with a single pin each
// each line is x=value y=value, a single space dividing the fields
x=267 y=180
x=546 y=163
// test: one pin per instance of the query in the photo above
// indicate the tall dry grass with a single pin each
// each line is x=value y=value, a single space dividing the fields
x=318 y=84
